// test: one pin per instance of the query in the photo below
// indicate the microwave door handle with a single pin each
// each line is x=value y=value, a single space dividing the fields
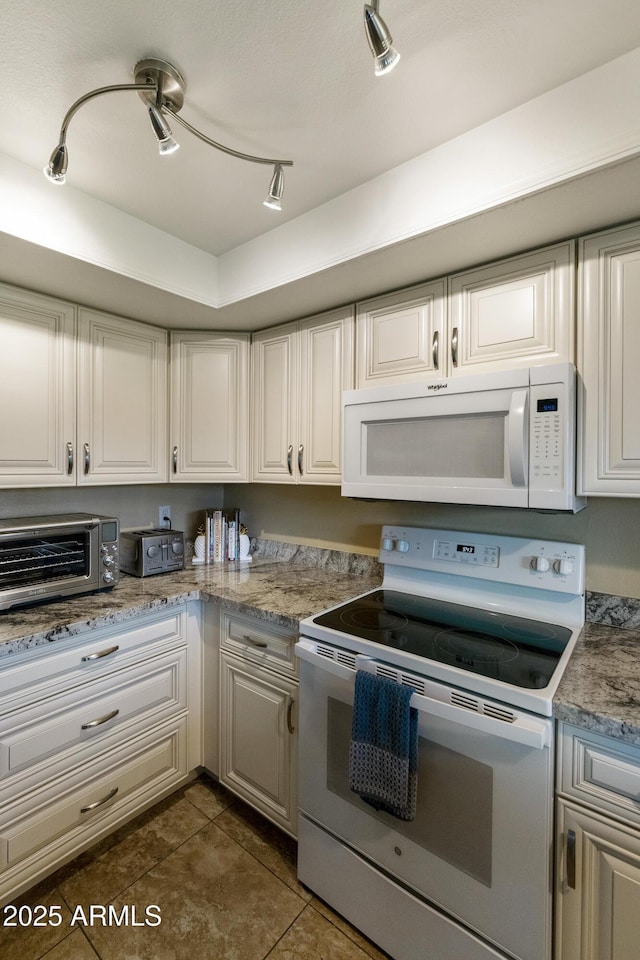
x=517 y=424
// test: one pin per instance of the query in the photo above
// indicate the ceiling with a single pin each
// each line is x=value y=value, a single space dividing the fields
x=291 y=80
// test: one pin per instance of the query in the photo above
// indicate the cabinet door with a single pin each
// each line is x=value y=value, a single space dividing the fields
x=517 y=312
x=326 y=369
x=37 y=390
x=209 y=407
x=609 y=359
x=274 y=424
x=257 y=744
x=400 y=337
x=598 y=904
x=122 y=401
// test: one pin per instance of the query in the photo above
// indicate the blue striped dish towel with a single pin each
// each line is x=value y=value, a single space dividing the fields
x=383 y=755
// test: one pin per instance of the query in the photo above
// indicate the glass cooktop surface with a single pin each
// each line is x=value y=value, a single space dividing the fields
x=512 y=649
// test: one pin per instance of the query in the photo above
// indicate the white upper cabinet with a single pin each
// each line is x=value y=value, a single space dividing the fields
x=299 y=373
x=209 y=434
x=516 y=312
x=37 y=390
x=122 y=401
x=400 y=336
x=609 y=361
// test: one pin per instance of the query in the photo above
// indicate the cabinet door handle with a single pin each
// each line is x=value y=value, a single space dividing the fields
x=98 y=803
x=435 y=350
x=69 y=458
x=290 y=726
x=454 y=347
x=101 y=653
x=254 y=641
x=571 y=859
x=86 y=457
x=300 y=453
x=175 y=459
x=290 y=459
x=100 y=720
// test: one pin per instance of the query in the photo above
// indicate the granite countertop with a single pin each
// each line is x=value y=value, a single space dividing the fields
x=600 y=690
x=273 y=589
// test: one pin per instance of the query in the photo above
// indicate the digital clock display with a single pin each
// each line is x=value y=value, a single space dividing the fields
x=548 y=406
x=465 y=548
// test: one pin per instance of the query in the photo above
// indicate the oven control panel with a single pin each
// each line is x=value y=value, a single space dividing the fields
x=457 y=551
x=544 y=564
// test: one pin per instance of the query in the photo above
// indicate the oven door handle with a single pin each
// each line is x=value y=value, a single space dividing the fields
x=525 y=730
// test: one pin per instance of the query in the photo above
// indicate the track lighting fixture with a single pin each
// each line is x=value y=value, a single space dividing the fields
x=161 y=87
x=276 y=189
x=162 y=130
x=380 y=40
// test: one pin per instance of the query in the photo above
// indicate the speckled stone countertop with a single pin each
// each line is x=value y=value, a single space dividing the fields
x=600 y=690
x=281 y=588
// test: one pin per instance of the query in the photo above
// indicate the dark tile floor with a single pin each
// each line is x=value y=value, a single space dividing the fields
x=223 y=878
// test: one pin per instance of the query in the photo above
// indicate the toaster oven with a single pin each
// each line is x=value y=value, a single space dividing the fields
x=46 y=558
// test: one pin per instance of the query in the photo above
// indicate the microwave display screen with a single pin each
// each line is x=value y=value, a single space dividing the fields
x=548 y=406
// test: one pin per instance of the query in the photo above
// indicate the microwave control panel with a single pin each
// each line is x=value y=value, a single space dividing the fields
x=547 y=419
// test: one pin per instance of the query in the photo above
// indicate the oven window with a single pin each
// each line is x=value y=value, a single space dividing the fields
x=447 y=447
x=454 y=816
x=34 y=560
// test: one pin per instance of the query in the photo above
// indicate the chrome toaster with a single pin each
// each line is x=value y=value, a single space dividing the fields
x=146 y=552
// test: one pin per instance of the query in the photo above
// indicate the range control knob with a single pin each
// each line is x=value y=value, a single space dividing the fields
x=402 y=546
x=541 y=564
x=563 y=567
x=387 y=543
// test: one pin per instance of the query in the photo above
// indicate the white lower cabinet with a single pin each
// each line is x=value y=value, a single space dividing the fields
x=598 y=848
x=258 y=717
x=92 y=731
x=599 y=915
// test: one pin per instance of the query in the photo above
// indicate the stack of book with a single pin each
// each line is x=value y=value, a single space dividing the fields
x=222 y=534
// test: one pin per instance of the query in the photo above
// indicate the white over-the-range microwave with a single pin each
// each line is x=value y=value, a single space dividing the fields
x=506 y=438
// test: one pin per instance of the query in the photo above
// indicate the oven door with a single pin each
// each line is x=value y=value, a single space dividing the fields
x=480 y=846
x=50 y=561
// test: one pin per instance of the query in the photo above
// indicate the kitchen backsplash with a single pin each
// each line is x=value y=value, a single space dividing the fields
x=341 y=562
x=614 y=611
x=600 y=607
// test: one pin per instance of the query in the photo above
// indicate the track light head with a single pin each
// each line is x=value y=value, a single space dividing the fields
x=56 y=169
x=380 y=40
x=276 y=189
x=162 y=130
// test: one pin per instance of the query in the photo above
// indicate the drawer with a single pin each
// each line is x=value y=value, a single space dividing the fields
x=79 y=804
x=600 y=771
x=104 y=709
x=30 y=675
x=260 y=641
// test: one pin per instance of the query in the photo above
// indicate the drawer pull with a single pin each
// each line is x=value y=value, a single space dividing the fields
x=101 y=653
x=571 y=859
x=253 y=641
x=98 y=803
x=100 y=720
x=290 y=726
